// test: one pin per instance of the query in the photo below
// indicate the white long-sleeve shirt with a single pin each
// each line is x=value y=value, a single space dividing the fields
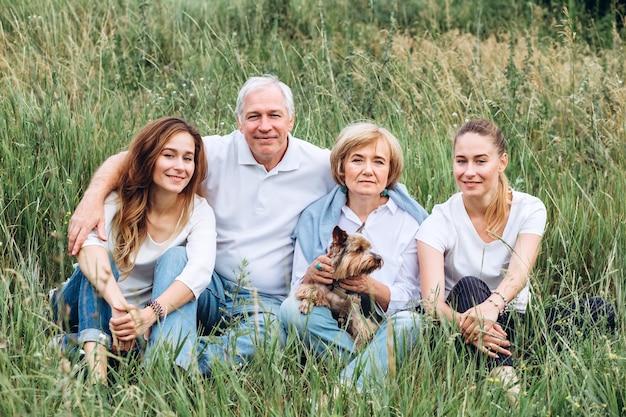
x=198 y=236
x=392 y=233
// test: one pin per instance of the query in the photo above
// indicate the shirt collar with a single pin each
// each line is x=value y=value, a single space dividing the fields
x=389 y=205
x=290 y=161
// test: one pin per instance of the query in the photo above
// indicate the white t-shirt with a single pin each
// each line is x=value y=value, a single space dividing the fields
x=198 y=236
x=256 y=211
x=450 y=231
x=392 y=232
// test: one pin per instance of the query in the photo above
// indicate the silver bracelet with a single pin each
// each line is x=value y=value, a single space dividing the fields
x=495 y=303
x=506 y=302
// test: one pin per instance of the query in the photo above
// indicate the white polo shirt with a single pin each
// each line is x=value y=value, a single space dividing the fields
x=256 y=211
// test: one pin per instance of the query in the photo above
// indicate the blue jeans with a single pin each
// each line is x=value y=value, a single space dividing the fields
x=91 y=313
x=321 y=333
x=86 y=315
x=247 y=318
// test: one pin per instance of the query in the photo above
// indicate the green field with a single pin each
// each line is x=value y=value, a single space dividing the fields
x=79 y=78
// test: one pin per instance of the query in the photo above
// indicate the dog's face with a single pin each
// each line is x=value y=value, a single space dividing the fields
x=352 y=255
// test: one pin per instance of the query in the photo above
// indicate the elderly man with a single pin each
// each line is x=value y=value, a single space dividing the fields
x=260 y=179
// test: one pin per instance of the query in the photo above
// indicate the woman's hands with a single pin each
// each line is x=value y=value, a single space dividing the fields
x=128 y=323
x=479 y=327
x=362 y=284
x=319 y=271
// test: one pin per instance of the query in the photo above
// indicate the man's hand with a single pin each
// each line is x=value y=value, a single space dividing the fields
x=88 y=214
x=90 y=211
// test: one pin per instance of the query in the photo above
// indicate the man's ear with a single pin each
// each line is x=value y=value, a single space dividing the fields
x=239 y=125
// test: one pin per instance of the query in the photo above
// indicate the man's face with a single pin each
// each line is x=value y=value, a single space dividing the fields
x=265 y=123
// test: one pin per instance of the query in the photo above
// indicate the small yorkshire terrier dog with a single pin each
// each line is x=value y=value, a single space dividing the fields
x=352 y=256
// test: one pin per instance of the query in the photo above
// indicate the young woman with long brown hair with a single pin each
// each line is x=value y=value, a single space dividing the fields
x=159 y=254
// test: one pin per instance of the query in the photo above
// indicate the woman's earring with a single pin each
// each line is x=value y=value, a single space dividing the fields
x=343 y=188
x=384 y=193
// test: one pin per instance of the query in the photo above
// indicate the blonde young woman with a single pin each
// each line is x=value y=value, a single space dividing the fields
x=143 y=280
x=477 y=250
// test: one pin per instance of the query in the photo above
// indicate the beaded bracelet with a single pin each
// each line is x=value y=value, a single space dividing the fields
x=157 y=308
x=506 y=302
x=495 y=303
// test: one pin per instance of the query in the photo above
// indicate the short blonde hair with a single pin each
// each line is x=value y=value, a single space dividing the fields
x=357 y=135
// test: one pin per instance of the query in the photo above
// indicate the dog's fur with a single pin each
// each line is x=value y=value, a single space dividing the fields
x=352 y=256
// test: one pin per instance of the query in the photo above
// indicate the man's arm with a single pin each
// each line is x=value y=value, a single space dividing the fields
x=90 y=211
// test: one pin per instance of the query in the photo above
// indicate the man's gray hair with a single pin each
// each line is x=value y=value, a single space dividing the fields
x=256 y=83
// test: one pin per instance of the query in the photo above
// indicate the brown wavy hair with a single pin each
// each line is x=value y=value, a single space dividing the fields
x=130 y=223
x=498 y=209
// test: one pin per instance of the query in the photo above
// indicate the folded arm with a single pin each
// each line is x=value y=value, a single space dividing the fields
x=523 y=257
x=432 y=280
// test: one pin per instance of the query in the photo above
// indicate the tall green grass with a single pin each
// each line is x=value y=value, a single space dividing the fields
x=79 y=78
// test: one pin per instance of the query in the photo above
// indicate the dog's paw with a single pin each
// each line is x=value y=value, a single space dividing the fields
x=362 y=337
x=361 y=329
x=306 y=306
x=310 y=295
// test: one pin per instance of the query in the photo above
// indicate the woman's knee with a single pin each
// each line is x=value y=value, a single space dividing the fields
x=467 y=293
x=318 y=320
x=170 y=265
x=290 y=311
x=176 y=255
x=406 y=326
x=598 y=311
x=406 y=321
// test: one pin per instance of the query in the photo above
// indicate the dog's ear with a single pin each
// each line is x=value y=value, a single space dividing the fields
x=339 y=236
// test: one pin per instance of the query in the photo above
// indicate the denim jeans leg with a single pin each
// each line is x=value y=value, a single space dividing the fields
x=178 y=329
x=319 y=330
x=388 y=345
x=65 y=303
x=256 y=326
x=211 y=305
x=94 y=311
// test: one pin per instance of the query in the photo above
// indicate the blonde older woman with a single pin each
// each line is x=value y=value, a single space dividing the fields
x=366 y=163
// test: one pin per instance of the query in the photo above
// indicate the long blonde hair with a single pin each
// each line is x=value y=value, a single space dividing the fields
x=130 y=223
x=498 y=208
